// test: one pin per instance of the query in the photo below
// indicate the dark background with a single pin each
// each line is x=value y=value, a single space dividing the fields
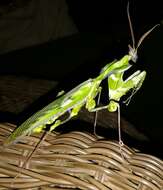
x=103 y=36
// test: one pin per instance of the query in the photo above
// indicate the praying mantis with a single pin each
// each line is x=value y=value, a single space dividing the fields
x=85 y=94
x=82 y=95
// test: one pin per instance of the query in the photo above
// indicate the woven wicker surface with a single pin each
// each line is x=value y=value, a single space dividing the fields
x=76 y=160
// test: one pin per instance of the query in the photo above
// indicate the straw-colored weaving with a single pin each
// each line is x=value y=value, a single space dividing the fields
x=76 y=160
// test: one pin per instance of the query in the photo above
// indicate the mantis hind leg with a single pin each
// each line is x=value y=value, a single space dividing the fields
x=31 y=154
x=43 y=137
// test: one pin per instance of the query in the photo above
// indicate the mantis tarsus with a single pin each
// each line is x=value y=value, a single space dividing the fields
x=85 y=94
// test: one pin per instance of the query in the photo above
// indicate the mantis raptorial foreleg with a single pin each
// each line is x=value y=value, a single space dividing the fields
x=119 y=87
x=135 y=85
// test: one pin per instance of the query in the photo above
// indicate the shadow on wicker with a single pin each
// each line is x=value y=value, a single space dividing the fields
x=76 y=160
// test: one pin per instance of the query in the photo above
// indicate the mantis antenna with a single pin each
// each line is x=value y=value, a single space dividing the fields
x=131 y=27
x=133 y=49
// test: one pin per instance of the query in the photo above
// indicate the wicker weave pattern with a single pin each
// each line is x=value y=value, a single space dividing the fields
x=77 y=160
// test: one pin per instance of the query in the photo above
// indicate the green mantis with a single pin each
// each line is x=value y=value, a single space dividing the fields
x=71 y=102
x=84 y=95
